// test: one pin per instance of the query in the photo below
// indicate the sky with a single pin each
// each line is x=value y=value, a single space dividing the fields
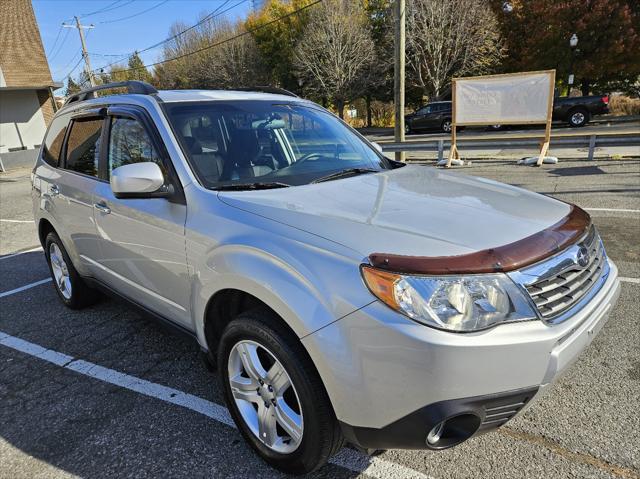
x=114 y=33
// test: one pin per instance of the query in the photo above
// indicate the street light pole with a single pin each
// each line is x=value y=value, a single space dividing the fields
x=398 y=77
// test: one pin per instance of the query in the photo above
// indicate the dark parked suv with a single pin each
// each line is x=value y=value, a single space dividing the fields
x=433 y=116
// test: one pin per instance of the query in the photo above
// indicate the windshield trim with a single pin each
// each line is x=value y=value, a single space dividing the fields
x=299 y=102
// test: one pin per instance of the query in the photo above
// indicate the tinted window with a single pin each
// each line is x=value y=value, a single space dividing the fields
x=259 y=141
x=53 y=143
x=83 y=146
x=129 y=143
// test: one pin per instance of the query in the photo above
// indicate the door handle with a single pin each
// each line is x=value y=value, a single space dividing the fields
x=102 y=208
x=54 y=190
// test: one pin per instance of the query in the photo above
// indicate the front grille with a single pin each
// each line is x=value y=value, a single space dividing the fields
x=557 y=292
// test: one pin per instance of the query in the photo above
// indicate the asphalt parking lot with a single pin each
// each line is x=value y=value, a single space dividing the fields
x=105 y=392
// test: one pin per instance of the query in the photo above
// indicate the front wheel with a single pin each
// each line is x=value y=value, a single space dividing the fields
x=274 y=394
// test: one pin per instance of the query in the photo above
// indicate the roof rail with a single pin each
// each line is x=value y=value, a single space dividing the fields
x=132 y=86
x=267 y=89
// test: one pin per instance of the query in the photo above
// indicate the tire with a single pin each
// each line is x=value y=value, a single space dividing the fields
x=407 y=129
x=304 y=402
x=578 y=117
x=71 y=288
x=446 y=126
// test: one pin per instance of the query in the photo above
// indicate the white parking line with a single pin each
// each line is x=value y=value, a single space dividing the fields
x=623 y=210
x=629 y=280
x=347 y=458
x=16 y=221
x=12 y=255
x=22 y=288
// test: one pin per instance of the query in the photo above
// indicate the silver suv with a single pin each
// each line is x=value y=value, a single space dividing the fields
x=343 y=296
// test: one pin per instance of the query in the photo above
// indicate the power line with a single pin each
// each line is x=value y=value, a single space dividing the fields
x=64 y=39
x=212 y=15
x=107 y=8
x=73 y=59
x=56 y=40
x=246 y=32
x=136 y=14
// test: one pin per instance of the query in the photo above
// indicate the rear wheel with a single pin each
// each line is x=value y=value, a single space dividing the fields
x=578 y=117
x=275 y=395
x=446 y=126
x=71 y=288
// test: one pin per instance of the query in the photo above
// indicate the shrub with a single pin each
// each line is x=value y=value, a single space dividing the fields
x=624 y=105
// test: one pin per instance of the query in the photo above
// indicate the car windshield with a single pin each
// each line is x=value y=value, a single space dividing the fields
x=262 y=144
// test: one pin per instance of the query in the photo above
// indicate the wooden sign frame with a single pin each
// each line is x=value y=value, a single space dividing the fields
x=544 y=143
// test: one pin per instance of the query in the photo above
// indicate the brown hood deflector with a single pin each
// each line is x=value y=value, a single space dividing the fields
x=505 y=258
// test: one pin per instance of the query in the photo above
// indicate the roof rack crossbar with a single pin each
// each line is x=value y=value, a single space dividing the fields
x=132 y=86
x=267 y=89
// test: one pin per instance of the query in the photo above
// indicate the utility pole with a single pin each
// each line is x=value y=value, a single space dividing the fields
x=398 y=76
x=85 y=55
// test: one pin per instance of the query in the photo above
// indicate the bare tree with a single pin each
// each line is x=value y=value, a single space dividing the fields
x=226 y=58
x=450 y=38
x=336 y=52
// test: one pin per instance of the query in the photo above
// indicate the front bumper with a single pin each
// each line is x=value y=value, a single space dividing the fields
x=391 y=380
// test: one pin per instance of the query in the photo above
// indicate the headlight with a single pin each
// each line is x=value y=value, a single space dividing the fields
x=455 y=303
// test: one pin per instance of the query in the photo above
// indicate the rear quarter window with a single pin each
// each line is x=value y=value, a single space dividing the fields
x=52 y=147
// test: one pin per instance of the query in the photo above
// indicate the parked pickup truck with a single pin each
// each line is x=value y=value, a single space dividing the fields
x=578 y=110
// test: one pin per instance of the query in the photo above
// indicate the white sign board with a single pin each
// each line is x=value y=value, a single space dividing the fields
x=504 y=99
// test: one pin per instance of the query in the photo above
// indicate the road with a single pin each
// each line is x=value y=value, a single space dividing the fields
x=105 y=392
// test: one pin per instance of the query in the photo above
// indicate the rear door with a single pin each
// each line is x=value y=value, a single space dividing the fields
x=71 y=188
x=142 y=241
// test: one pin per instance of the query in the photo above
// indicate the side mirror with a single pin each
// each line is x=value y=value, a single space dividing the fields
x=377 y=146
x=138 y=180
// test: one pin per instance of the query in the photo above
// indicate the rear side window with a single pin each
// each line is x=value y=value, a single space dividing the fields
x=130 y=143
x=53 y=143
x=83 y=146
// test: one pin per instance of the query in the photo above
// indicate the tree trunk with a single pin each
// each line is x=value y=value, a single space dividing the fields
x=368 y=101
x=585 y=86
x=340 y=108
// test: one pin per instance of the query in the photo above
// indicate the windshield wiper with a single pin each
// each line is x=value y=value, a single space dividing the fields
x=250 y=186
x=344 y=173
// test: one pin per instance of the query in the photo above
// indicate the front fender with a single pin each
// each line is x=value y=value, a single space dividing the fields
x=306 y=291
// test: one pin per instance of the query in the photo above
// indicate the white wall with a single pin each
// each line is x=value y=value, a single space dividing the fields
x=21 y=120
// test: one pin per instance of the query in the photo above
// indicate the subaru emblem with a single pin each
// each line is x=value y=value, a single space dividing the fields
x=583 y=257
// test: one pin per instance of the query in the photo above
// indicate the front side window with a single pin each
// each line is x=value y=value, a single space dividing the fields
x=248 y=142
x=129 y=143
x=83 y=146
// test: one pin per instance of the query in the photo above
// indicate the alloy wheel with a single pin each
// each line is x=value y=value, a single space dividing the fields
x=60 y=271
x=577 y=118
x=265 y=396
x=446 y=126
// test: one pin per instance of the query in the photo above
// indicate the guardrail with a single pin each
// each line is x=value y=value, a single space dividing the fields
x=518 y=140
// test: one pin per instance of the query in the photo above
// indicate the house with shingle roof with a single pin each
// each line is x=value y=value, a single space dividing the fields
x=26 y=88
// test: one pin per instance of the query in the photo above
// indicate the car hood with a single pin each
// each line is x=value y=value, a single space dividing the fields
x=413 y=210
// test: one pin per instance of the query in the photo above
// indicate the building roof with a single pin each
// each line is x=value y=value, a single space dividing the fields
x=22 y=58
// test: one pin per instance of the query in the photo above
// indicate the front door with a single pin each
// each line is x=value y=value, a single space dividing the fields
x=142 y=240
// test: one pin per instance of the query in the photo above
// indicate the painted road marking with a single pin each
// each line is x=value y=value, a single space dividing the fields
x=12 y=255
x=16 y=221
x=347 y=458
x=25 y=287
x=629 y=280
x=623 y=210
